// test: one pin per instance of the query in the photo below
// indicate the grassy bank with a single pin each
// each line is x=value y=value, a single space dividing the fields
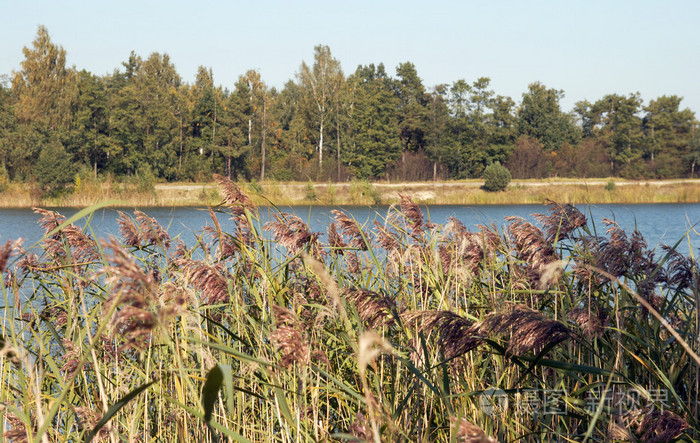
x=366 y=193
x=405 y=331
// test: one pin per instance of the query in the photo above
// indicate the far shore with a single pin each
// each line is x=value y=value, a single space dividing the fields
x=462 y=192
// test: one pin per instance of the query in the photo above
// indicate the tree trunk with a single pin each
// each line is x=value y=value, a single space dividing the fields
x=652 y=145
x=403 y=166
x=179 y=159
x=94 y=126
x=228 y=167
x=337 y=133
x=320 y=145
x=262 y=142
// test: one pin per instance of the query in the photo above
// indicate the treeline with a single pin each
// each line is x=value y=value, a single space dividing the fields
x=142 y=120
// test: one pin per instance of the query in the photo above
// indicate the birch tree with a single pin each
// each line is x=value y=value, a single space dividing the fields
x=322 y=82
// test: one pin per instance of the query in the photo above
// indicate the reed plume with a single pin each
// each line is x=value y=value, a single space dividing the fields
x=88 y=417
x=385 y=238
x=327 y=281
x=659 y=426
x=351 y=228
x=240 y=205
x=28 y=262
x=234 y=197
x=370 y=346
x=591 y=321
x=414 y=216
x=531 y=247
x=9 y=249
x=360 y=428
x=491 y=240
x=133 y=291
x=226 y=247
x=10 y=353
x=210 y=280
x=374 y=309
x=457 y=335
x=17 y=432
x=561 y=221
x=56 y=314
x=289 y=339
x=468 y=432
x=291 y=232
x=335 y=240
x=456 y=227
x=180 y=250
x=681 y=271
x=71 y=358
x=84 y=248
x=151 y=232
x=49 y=220
x=528 y=329
x=130 y=235
x=473 y=249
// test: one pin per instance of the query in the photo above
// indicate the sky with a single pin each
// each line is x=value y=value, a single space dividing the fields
x=586 y=48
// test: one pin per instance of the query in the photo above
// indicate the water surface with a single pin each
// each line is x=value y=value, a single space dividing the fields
x=659 y=223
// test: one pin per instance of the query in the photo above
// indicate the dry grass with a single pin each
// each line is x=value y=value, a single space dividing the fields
x=593 y=191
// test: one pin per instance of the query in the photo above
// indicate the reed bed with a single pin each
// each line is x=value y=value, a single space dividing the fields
x=402 y=330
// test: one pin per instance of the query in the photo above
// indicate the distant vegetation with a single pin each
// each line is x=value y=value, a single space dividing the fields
x=323 y=125
x=398 y=331
x=496 y=177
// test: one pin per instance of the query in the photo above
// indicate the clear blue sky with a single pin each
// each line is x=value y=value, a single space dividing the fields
x=587 y=48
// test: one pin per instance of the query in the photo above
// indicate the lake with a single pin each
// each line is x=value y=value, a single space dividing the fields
x=659 y=223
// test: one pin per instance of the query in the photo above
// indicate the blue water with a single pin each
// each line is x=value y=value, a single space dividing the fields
x=659 y=223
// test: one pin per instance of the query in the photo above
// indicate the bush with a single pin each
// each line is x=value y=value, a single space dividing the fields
x=145 y=179
x=496 y=177
x=54 y=170
x=4 y=178
x=311 y=192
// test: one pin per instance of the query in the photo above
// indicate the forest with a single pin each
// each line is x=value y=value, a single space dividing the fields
x=59 y=124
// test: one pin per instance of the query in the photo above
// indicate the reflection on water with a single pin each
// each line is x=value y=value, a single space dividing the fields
x=659 y=223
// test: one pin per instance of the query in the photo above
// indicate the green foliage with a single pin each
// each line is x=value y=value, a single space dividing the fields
x=54 y=169
x=310 y=192
x=374 y=124
x=496 y=177
x=367 y=126
x=4 y=178
x=145 y=180
x=610 y=186
x=371 y=192
x=541 y=117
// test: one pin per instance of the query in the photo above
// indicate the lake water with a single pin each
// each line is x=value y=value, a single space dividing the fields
x=659 y=223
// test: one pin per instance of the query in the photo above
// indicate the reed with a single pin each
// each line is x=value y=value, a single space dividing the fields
x=400 y=331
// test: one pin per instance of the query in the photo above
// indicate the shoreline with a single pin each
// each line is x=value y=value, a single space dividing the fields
x=464 y=192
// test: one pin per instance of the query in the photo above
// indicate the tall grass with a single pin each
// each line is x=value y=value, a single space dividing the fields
x=399 y=331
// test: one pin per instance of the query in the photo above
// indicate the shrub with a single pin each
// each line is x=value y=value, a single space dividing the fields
x=54 y=170
x=4 y=178
x=145 y=180
x=310 y=192
x=496 y=177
